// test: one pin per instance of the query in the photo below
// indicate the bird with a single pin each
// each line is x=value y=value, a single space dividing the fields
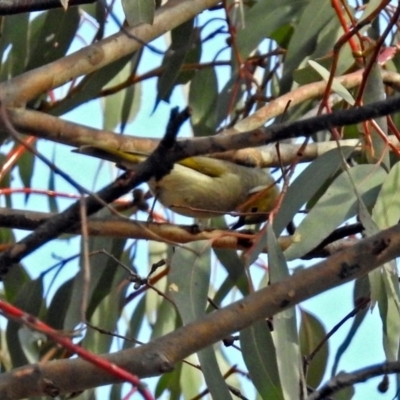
x=204 y=187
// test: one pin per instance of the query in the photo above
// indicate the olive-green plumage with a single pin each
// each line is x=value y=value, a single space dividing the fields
x=203 y=187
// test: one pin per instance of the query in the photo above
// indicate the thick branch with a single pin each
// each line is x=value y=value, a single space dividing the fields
x=161 y=354
x=75 y=134
x=9 y=7
x=19 y=90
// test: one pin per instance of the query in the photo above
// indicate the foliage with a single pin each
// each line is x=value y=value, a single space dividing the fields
x=237 y=66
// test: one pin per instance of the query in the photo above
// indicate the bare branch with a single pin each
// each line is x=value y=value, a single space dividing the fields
x=344 y=380
x=9 y=7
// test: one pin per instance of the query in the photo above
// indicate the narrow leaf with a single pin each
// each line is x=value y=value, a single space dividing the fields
x=261 y=360
x=337 y=205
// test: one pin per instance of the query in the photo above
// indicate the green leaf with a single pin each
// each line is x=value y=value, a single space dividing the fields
x=59 y=305
x=170 y=382
x=314 y=17
x=285 y=327
x=235 y=268
x=14 y=281
x=29 y=340
x=155 y=314
x=106 y=316
x=90 y=86
x=138 y=11
x=375 y=91
x=261 y=360
x=307 y=184
x=101 y=278
x=346 y=393
x=386 y=211
x=135 y=323
x=106 y=269
x=14 y=33
x=166 y=319
x=189 y=279
x=182 y=37
x=229 y=98
x=384 y=282
x=122 y=106
x=51 y=38
x=203 y=97
x=29 y=300
x=312 y=332
x=336 y=85
x=263 y=19
x=189 y=282
x=215 y=382
x=337 y=205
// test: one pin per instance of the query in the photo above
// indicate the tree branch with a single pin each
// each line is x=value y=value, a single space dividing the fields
x=126 y=228
x=344 y=380
x=9 y=7
x=160 y=355
x=25 y=87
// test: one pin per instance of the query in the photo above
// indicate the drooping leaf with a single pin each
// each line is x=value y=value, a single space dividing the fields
x=30 y=300
x=337 y=205
x=314 y=17
x=375 y=91
x=59 y=305
x=170 y=382
x=261 y=360
x=203 y=97
x=106 y=316
x=173 y=60
x=263 y=19
x=51 y=39
x=157 y=252
x=285 y=335
x=90 y=86
x=312 y=332
x=336 y=85
x=101 y=279
x=384 y=282
x=188 y=284
x=14 y=281
x=122 y=106
x=306 y=185
x=14 y=37
x=136 y=322
x=138 y=11
x=236 y=270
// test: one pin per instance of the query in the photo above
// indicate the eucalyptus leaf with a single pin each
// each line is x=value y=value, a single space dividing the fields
x=337 y=205
x=260 y=357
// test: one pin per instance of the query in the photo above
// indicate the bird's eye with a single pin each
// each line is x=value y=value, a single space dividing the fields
x=254 y=209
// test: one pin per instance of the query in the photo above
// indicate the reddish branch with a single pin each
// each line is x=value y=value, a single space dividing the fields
x=49 y=387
